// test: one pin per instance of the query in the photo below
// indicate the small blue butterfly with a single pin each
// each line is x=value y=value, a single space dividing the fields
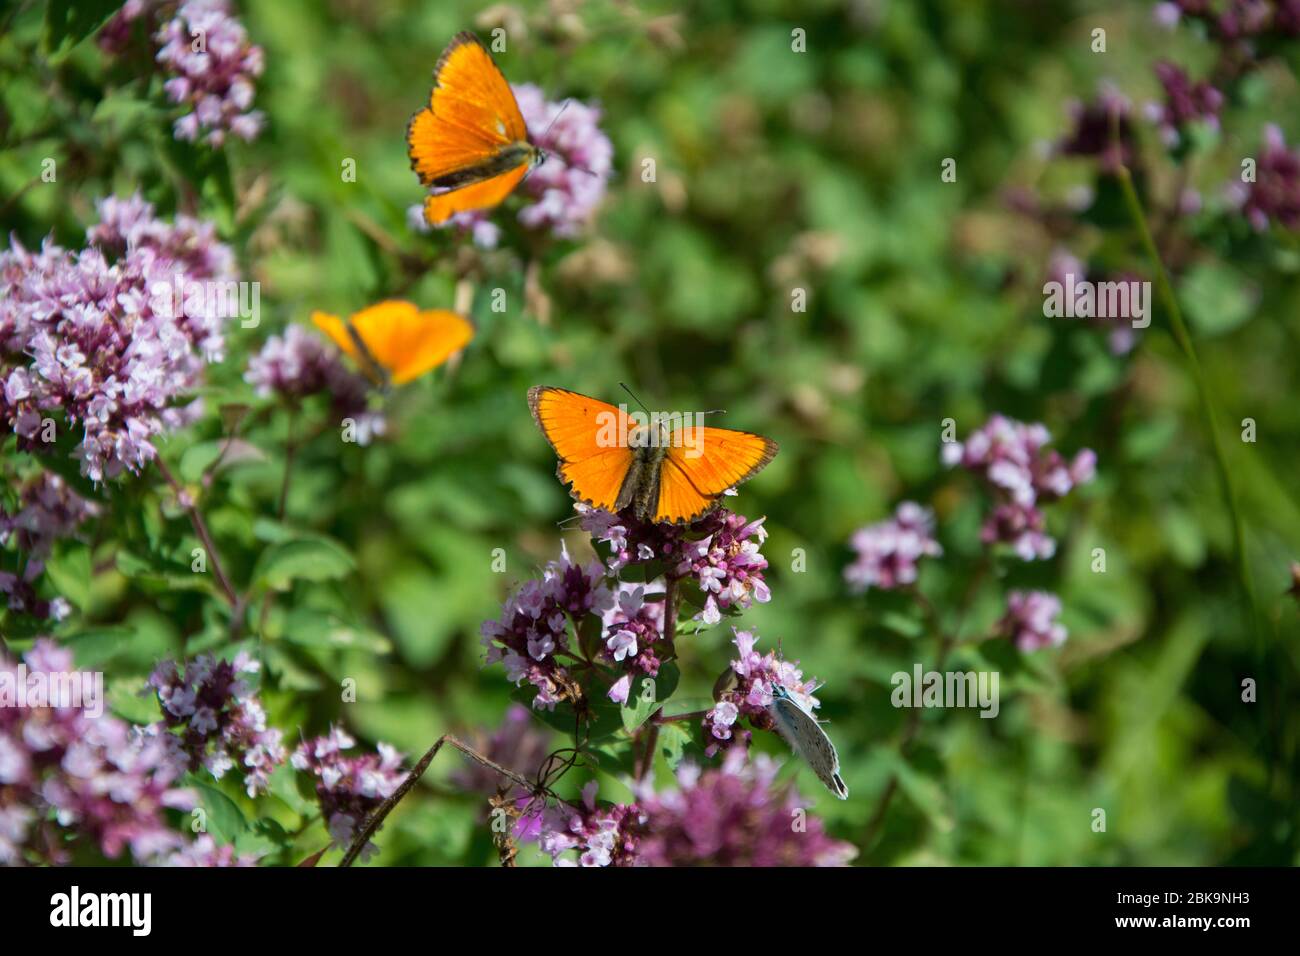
x=806 y=738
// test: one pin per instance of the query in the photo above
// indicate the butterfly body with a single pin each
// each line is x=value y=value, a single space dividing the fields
x=803 y=732
x=640 y=488
x=471 y=142
x=667 y=469
x=506 y=159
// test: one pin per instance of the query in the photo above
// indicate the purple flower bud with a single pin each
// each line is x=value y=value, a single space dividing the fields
x=298 y=363
x=1030 y=620
x=217 y=719
x=733 y=815
x=888 y=552
x=110 y=349
x=348 y=789
x=1274 y=196
x=66 y=774
x=1010 y=456
x=216 y=80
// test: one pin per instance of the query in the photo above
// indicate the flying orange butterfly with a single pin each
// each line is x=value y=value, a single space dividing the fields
x=470 y=142
x=395 y=342
x=612 y=460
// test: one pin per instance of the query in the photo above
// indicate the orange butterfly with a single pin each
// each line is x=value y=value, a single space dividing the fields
x=613 y=460
x=471 y=140
x=395 y=342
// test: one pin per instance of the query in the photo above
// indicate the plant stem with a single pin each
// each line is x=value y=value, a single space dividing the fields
x=670 y=609
x=289 y=448
x=377 y=818
x=1184 y=340
x=201 y=529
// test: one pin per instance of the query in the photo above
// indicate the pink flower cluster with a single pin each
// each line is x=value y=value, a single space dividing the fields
x=602 y=836
x=206 y=852
x=1094 y=131
x=1013 y=459
x=1030 y=620
x=1274 y=196
x=630 y=540
x=733 y=815
x=348 y=789
x=727 y=564
x=720 y=551
x=632 y=632
x=569 y=185
x=746 y=691
x=1185 y=102
x=64 y=772
x=298 y=364
x=565 y=190
x=218 y=719
x=1235 y=23
x=213 y=67
x=96 y=336
x=534 y=623
x=888 y=551
x=48 y=511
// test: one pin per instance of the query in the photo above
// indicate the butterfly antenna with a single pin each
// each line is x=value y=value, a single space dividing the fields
x=564 y=106
x=554 y=120
x=715 y=411
x=634 y=398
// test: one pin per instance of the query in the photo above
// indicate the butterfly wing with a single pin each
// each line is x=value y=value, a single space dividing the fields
x=701 y=464
x=806 y=737
x=399 y=340
x=406 y=341
x=440 y=207
x=471 y=134
x=337 y=330
x=593 y=469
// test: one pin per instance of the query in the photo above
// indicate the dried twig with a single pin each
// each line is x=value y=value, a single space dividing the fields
x=377 y=818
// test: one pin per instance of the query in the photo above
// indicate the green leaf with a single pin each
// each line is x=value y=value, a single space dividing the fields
x=1217 y=298
x=266 y=836
x=96 y=645
x=70 y=573
x=225 y=819
x=309 y=627
x=132 y=699
x=157 y=573
x=603 y=715
x=648 y=695
x=283 y=783
x=68 y=22
x=228 y=452
x=303 y=559
x=673 y=739
x=902 y=624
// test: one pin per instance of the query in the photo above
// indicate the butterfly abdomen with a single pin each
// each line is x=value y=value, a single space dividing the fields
x=510 y=157
x=647 y=468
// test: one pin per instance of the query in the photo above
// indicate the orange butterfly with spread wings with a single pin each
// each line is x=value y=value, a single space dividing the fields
x=667 y=474
x=471 y=141
x=395 y=342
